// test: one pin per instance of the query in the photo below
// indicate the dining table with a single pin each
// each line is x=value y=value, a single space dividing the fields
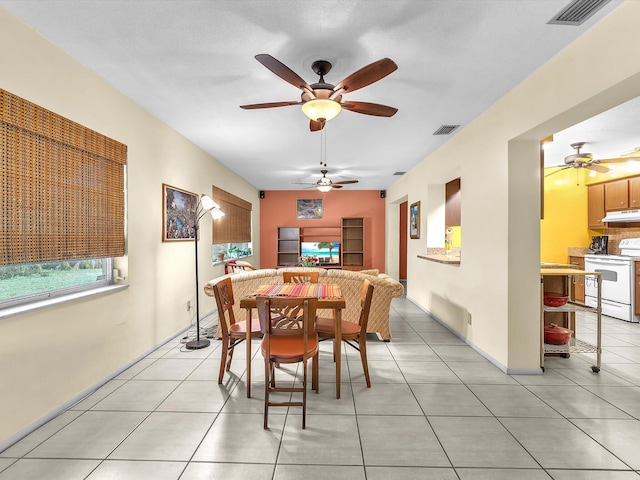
x=329 y=296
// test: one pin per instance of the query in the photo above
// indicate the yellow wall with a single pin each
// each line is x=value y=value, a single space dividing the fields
x=565 y=222
x=456 y=236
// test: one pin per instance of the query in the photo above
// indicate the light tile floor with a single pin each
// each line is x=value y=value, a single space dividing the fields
x=437 y=409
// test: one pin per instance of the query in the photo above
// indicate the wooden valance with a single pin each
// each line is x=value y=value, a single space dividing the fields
x=235 y=226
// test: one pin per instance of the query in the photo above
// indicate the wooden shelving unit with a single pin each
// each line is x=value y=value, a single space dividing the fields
x=352 y=243
x=350 y=234
x=288 y=246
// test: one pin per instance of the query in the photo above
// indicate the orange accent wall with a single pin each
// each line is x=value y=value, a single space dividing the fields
x=278 y=209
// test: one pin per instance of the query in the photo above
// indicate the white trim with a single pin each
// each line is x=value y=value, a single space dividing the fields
x=79 y=397
x=30 y=307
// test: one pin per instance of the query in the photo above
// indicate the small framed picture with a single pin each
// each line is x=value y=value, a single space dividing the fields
x=414 y=220
x=309 y=209
x=178 y=214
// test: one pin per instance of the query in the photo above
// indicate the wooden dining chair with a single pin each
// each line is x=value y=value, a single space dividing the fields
x=300 y=277
x=233 y=332
x=354 y=334
x=289 y=336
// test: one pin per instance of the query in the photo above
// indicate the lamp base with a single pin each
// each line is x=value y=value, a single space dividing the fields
x=197 y=344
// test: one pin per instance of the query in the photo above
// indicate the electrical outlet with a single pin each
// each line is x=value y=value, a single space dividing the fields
x=188 y=305
x=469 y=318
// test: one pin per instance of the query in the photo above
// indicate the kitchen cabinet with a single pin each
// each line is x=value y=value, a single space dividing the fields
x=616 y=195
x=452 y=215
x=634 y=192
x=596 y=206
x=551 y=279
x=577 y=284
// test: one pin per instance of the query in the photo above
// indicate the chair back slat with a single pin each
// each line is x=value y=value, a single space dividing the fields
x=287 y=315
x=300 y=277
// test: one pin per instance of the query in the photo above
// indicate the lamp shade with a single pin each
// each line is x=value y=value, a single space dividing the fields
x=207 y=202
x=216 y=213
x=321 y=109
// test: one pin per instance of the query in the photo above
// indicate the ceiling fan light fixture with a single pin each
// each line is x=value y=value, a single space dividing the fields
x=325 y=188
x=321 y=109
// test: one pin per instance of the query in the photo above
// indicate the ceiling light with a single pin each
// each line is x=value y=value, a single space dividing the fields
x=321 y=109
x=324 y=188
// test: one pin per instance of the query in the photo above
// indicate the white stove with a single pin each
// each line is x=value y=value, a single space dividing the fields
x=618 y=285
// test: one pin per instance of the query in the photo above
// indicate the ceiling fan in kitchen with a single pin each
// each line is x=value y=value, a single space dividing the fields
x=322 y=101
x=580 y=160
x=586 y=160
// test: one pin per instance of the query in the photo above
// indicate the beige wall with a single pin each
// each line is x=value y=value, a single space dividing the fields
x=49 y=356
x=496 y=157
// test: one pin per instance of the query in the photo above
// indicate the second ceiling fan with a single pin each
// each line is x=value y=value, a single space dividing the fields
x=325 y=184
x=322 y=101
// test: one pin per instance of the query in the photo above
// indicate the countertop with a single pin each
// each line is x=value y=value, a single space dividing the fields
x=440 y=255
x=578 y=251
x=567 y=271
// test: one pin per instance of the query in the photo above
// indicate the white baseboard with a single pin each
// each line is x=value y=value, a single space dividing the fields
x=88 y=391
x=496 y=363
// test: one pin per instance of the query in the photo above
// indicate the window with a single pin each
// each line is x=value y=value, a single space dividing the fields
x=231 y=233
x=61 y=201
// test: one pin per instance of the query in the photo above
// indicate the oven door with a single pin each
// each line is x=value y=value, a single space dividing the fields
x=616 y=279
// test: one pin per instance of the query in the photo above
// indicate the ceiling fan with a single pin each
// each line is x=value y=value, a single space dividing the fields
x=325 y=184
x=582 y=160
x=322 y=101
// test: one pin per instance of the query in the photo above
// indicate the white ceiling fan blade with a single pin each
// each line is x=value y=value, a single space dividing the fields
x=598 y=168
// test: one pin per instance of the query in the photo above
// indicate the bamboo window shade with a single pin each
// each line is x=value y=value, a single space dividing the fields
x=235 y=226
x=61 y=187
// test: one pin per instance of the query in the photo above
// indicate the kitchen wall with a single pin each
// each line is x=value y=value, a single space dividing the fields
x=566 y=206
x=497 y=157
x=49 y=357
x=278 y=209
x=565 y=222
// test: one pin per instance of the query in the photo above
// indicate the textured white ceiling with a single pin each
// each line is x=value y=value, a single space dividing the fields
x=191 y=64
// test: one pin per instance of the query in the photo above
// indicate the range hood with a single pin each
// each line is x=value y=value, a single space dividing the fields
x=624 y=216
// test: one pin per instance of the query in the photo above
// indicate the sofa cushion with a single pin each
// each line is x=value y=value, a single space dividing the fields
x=372 y=271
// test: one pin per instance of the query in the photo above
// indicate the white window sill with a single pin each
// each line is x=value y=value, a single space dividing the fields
x=30 y=307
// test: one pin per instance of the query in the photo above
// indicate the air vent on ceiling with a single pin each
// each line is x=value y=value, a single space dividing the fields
x=445 y=129
x=399 y=173
x=577 y=12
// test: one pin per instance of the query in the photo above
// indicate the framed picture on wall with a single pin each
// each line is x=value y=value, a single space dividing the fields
x=309 y=208
x=178 y=214
x=414 y=220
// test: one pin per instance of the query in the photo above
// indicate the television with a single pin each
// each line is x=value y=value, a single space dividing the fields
x=326 y=252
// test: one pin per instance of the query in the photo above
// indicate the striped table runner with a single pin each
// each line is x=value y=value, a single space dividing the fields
x=320 y=290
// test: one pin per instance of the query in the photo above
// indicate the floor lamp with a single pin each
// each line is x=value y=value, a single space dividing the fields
x=205 y=205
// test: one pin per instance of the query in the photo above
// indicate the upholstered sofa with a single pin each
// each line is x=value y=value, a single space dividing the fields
x=385 y=288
